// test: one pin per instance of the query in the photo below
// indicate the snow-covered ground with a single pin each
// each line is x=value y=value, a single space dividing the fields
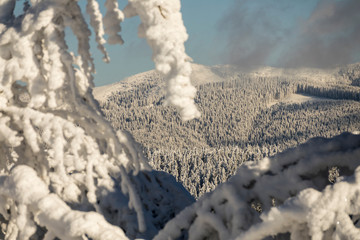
x=313 y=74
x=101 y=93
x=298 y=98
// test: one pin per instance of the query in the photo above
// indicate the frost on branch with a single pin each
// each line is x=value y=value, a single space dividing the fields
x=293 y=192
x=83 y=175
x=163 y=28
x=35 y=201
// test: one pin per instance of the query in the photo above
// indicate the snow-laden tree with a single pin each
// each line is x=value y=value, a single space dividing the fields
x=309 y=192
x=65 y=172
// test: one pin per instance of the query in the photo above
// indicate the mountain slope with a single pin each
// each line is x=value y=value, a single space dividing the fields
x=246 y=116
x=201 y=74
x=205 y=74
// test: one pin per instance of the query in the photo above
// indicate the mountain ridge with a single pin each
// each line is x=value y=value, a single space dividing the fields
x=202 y=74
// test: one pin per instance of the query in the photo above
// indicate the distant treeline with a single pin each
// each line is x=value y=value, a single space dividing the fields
x=236 y=124
x=334 y=92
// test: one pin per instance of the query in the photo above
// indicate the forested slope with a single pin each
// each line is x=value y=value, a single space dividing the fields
x=244 y=117
x=297 y=194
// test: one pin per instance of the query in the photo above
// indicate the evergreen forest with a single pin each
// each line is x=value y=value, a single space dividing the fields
x=245 y=117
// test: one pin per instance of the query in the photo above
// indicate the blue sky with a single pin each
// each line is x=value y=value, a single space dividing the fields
x=204 y=44
x=248 y=33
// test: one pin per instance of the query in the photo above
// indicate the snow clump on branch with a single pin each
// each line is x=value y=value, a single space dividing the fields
x=53 y=135
x=288 y=196
x=162 y=26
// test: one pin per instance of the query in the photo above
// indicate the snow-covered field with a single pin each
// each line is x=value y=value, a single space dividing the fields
x=298 y=98
x=101 y=93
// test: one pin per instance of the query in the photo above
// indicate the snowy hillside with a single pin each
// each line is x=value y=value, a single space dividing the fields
x=244 y=116
x=101 y=93
x=202 y=74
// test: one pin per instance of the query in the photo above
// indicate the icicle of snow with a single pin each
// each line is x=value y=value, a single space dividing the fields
x=92 y=8
x=162 y=26
x=134 y=200
x=75 y=20
x=56 y=73
x=112 y=20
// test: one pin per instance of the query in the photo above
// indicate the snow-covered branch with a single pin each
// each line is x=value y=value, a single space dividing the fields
x=50 y=122
x=33 y=203
x=66 y=173
x=162 y=26
x=293 y=190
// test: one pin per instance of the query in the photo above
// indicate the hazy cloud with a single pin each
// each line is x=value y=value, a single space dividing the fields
x=330 y=37
x=273 y=32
